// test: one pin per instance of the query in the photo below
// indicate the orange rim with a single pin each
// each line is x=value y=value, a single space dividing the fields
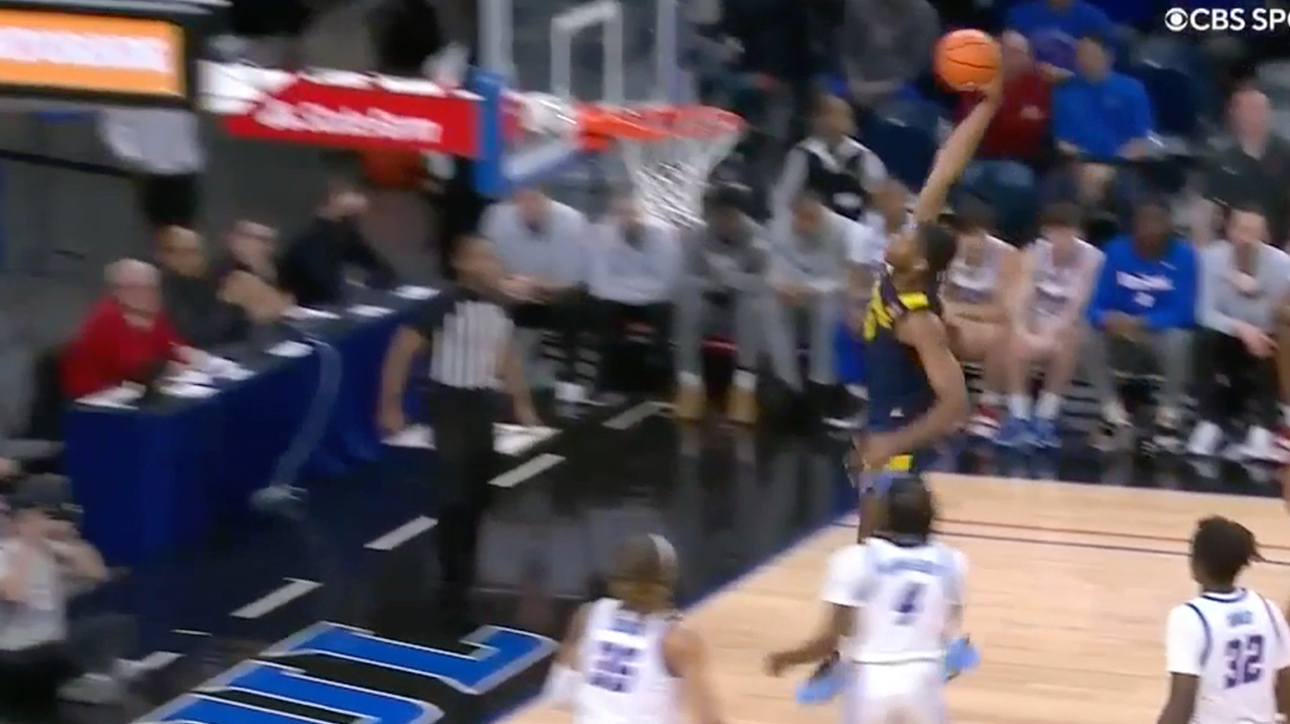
x=602 y=125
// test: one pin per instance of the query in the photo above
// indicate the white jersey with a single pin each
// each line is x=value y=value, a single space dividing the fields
x=906 y=598
x=1057 y=282
x=624 y=677
x=1235 y=643
x=976 y=283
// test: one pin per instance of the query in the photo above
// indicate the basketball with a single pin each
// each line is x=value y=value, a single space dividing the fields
x=967 y=59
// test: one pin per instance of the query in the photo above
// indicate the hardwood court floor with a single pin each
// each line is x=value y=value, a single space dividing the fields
x=1069 y=587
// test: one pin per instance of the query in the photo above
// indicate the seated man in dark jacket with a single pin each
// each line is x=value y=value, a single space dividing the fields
x=191 y=293
x=312 y=265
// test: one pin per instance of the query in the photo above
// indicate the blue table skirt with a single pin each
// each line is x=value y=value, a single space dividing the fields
x=153 y=481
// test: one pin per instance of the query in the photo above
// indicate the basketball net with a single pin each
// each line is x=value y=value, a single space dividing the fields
x=670 y=152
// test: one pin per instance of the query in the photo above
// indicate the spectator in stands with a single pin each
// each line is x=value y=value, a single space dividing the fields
x=43 y=563
x=723 y=292
x=1142 y=312
x=886 y=45
x=1251 y=166
x=977 y=296
x=1054 y=26
x=250 y=247
x=774 y=63
x=126 y=335
x=312 y=265
x=192 y=294
x=830 y=163
x=164 y=149
x=1242 y=284
x=889 y=215
x=636 y=265
x=1101 y=119
x=867 y=256
x=1058 y=272
x=808 y=276
x=542 y=245
x=1016 y=141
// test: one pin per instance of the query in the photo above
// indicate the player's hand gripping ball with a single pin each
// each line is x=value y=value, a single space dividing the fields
x=967 y=60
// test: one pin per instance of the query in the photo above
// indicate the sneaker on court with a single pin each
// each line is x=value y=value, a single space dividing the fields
x=1044 y=434
x=960 y=657
x=823 y=685
x=1205 y=439
x=1014 y=432
x=1260 y=446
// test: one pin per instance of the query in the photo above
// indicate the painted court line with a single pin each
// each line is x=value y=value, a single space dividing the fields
x=537 y=465
x=632 y=416
x=291 y=590
x=402 y=534
x=157 y=660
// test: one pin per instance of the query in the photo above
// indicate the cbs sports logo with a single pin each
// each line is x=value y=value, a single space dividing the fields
x=1226 y=20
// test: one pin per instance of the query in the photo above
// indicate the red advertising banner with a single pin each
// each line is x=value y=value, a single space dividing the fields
x=355 y=111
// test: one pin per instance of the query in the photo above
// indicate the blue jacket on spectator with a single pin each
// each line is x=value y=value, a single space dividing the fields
x=1099 y=118
x=1162 y=291
x=1053 y=32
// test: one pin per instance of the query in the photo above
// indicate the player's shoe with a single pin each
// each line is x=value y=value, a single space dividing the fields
x=1044 y=434
x=1014 y=432
x=960 y=657
x=823 y=685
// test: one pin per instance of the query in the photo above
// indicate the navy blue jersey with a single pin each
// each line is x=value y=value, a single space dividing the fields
x=899 y=391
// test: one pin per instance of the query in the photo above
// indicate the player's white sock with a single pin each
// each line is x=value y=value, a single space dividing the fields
x=1048 y=406
x=1019 y=406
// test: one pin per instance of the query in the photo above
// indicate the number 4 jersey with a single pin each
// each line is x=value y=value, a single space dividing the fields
x=1235 y=643
x=625 y=679
x=906 y=598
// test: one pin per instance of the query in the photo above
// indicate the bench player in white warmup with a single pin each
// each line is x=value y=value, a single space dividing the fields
x=1228 y=649
x=629 y=659
x=899 y=597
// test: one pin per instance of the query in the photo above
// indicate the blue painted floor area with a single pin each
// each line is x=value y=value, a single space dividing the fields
x=728 y=500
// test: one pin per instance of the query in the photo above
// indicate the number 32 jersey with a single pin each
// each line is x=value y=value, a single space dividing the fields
x=906 y=598
x=1235 y=643
x=625 y=679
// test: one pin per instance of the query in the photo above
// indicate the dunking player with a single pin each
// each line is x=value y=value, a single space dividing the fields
x=628 y=659
x=1228 y=649
x=917 y=394
x=899 y=595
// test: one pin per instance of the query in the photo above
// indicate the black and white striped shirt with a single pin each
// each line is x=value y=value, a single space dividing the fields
x=468 y=332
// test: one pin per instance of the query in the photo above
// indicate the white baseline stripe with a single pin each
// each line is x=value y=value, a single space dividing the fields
x=158 y=660
x=537 y=465
x=632 y=416
x=291 y=590
x=402 y=534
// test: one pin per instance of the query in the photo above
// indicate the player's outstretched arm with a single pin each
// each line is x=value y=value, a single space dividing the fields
x=848 y=572
x=563 y=680
x=686 y=656
x=954 y=156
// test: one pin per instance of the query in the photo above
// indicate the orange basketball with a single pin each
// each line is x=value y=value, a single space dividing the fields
x=967 y=59
x=393 y=169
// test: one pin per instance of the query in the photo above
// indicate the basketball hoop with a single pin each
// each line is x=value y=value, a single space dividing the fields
x=669 y=152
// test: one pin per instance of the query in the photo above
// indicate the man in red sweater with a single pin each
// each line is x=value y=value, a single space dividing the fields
x=1020 y=130
x=124 y=335
x=1016 y=140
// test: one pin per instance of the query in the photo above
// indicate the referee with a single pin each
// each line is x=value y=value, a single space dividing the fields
x=470 y=349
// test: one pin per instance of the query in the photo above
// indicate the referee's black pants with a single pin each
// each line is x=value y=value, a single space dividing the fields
x=463 y=427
